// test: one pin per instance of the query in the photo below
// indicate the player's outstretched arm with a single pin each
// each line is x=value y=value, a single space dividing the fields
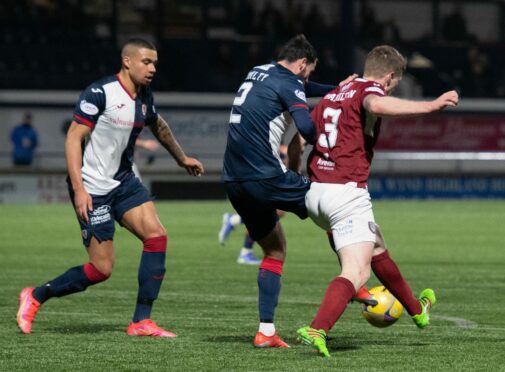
x=396 y=107
x=73 y=152
x=164 y=134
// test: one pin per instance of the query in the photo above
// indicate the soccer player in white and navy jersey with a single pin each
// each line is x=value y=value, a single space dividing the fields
x=99 y=148
x=347 y=123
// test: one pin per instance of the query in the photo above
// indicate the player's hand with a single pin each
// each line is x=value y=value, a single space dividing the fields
x=193 y=166
x=348 y=79
x=448 y=99
x=83 y=204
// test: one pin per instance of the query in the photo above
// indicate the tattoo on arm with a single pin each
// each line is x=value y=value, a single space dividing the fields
x=163 y=133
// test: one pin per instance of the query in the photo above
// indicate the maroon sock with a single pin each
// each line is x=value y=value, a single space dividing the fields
x=388 y=273
x=339 y=293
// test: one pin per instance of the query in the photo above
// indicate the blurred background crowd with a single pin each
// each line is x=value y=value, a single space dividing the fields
x=209 y=45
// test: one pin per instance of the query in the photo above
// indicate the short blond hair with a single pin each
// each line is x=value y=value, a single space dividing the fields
x=384 y=59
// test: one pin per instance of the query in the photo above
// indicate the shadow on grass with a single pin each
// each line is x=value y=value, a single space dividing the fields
x=86 y=329
x=231 y=339
x=343 y=344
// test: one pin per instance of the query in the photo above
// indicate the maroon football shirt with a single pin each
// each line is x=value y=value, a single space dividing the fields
x=346 y=134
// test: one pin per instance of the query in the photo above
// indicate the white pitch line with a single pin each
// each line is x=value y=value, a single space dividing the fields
x=458 y=322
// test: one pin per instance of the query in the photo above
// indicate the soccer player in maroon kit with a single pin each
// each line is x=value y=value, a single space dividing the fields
x=348 y=122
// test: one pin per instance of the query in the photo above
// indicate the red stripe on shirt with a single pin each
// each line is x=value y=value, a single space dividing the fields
x=301 y=105
x=84 y=121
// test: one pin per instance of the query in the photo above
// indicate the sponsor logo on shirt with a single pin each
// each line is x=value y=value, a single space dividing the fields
x=96 y=90
x=325 y=164
x=300 y=94
x=122 y=123
x=88 y=107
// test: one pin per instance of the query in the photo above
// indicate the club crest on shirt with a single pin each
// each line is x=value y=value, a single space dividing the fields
x=300 y=94
x=144 y=109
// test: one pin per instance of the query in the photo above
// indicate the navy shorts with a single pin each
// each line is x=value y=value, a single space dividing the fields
x=257 y=201
x=111 y=207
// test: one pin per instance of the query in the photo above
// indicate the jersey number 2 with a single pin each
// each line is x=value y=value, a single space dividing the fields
x=328 y=138
x=243 y=91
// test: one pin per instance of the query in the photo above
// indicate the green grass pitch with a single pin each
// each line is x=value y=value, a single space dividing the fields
x=455 y=247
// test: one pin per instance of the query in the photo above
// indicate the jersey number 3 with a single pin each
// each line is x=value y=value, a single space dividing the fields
x=242 y=93
x=328 y=138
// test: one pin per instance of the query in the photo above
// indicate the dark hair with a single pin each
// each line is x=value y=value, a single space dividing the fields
x=384 y=59
x=296 y=48
x=140 y=43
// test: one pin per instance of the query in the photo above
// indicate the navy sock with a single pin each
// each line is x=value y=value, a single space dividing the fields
x=150 y=277
x=248 y=241
x=72 y=281
x=269 y=284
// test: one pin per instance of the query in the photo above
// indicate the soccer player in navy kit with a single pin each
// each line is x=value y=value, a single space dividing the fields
x=257 y=181
x=99 y=148
x=348 y=122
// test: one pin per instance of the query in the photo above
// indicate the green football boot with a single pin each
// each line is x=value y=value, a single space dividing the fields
x=314 y=337
x=427 y=299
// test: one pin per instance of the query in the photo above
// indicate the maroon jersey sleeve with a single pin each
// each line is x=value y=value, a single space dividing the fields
x=345 y=135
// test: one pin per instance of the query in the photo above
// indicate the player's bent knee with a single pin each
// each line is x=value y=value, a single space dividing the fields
x=156 y=244
x=103 y=265
x=97 y=274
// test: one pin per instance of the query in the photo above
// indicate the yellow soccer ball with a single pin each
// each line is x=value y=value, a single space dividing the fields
x=386 y=312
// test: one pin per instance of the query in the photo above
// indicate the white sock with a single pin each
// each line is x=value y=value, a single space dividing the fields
x=244 y=251
x=268 y=329
x=235 y=219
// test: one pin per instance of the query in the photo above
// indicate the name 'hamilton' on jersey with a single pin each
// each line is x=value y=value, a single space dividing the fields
x=258 y=119
x=117 y=118
x=346 y=135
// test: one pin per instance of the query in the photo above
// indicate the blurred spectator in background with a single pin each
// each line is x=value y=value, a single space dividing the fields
x=24 y=139
x=391 y=32
x=477 y=75
x=454 y=25
x=295 y=19
x=371 y=30
x=225 y=72
x=271 y=22
x=314 y=24
x=245 y=17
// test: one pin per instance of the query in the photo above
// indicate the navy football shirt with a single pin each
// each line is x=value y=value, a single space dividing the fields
x=258 y=119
